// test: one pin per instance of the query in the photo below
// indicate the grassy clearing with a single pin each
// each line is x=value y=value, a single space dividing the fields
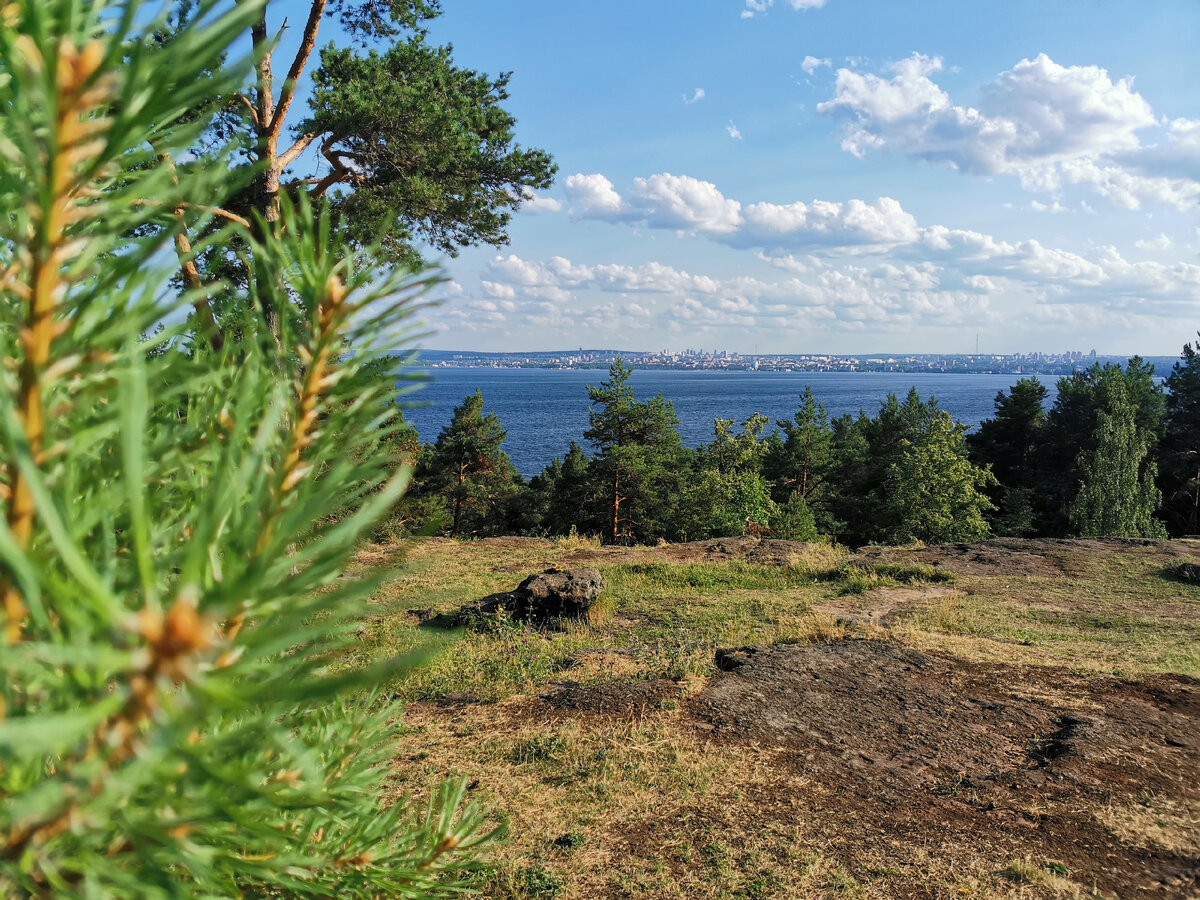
x=598 y=807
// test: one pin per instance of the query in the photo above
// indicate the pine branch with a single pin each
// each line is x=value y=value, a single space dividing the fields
x=307 y=42
x=68 y=155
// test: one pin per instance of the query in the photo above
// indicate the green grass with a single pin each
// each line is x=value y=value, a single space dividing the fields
x=585 y=797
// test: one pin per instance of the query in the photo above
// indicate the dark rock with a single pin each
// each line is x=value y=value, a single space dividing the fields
x=545 y=598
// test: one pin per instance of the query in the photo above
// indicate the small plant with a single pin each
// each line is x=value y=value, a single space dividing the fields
x=673 y=655
x=540 y=748
x=539 y=883
x=569 y=842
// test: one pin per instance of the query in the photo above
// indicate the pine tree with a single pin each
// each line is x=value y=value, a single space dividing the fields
x=904 y=475
x=799 y=462
x=1070 y=432
x=1007 y=443
x=169 y=724
x=1117 y=495
x=636 y=467
x=566 y=500
x=933 y=493
x=1180 y=451
x=725 y=491
x=468 y=468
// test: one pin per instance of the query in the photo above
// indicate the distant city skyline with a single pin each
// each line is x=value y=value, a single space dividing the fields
x=830 y=175
x=1031 y=363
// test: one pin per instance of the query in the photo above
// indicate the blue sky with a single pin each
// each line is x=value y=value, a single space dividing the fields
x=843 y=176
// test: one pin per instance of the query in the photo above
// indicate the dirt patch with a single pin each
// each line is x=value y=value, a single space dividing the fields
x=1047 y=557
x=883 y=606
x=920 y=743
x=636 y=698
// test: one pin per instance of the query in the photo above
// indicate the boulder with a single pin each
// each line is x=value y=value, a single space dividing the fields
x=545 y=598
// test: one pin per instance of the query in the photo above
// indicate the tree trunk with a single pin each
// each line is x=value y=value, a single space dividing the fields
x=616 y=510
x=266 y=182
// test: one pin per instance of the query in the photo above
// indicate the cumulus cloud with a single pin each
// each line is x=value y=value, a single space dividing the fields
x=865 y=261
x=733 y=131
x=592 y=195
x=1047 y=124
x=685 y=203
x=688 y=204
x=812 y=63
x=833 y=224
x=697 y=96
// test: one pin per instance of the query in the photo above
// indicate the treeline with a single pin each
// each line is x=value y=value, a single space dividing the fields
x=1117 y=454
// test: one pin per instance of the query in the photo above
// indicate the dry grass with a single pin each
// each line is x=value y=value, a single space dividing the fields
x=646 y=807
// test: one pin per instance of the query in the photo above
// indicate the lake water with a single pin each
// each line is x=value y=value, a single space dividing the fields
x=543 y=410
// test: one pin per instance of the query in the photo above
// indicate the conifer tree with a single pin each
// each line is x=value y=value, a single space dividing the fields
x=564 y=492
x=169 y=723
x=468 y=468
x=1070 y=432
x=904 y=475
x=636 y=466
x=1180 y=452
x=1007 y=442
x=932 y=491
x=798 y=462
x=726 y=490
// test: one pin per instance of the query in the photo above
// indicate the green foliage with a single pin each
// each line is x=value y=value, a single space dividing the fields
x=904 y=476
x=1070 y=433
x=800 y=460
x=175 y=518
x=469 y=472
x=932 y=491
x=636 y=467
x=1007 y=443
x=794 y=521
x=1180 y=451
x=431 y=146
x=1117 y=494
x=726 y=491
x=562 y=496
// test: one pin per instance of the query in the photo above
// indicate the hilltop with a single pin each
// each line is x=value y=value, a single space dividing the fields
x=761 y=718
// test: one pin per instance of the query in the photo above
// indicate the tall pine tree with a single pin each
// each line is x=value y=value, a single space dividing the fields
x=470 y=471
x=1180 y=451
x=635 y=469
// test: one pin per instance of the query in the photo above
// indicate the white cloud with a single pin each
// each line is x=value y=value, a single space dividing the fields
x=697 y=96
x=1045 y=123
x=812 y=63
x=538 y=203
x=855 y=252
x=684 y=202
x=733 y=131
x=593 y=195
x=1163 y=242
x=823 y=222
x=494 y=289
